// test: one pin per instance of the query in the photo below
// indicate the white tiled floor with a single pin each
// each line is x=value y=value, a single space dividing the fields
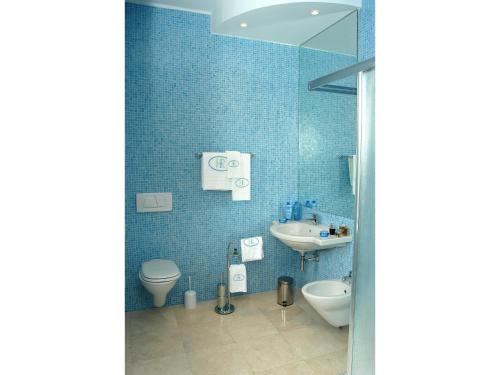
x=260 y=337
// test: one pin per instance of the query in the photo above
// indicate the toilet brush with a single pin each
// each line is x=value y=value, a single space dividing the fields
x=190 y=297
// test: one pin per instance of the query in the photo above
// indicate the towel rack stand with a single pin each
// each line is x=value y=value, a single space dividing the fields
x=200 y=154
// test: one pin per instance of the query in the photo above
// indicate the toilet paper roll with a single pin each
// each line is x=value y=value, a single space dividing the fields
x=190 y=299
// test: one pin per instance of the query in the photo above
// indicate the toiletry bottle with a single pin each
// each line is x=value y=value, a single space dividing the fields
x=281 y=214
x=344 y=230
x=313 y=204
x=288 y=210
x=308 y=203
x=333 y=232
x=235 y=258
x=297 y=211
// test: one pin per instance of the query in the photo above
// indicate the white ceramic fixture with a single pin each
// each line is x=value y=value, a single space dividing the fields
x=158 y=276
x=305 y=236
x=331 y=299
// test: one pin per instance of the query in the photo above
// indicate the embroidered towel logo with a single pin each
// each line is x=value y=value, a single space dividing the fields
x=241 y=182
x=251 y=241
x=238 y=277
x=218 y=163
x=233 y=163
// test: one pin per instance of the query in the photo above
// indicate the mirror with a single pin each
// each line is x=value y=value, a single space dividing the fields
x=327 y=120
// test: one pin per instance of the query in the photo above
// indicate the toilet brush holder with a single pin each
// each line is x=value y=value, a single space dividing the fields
x=221 y=295
x=190 y=298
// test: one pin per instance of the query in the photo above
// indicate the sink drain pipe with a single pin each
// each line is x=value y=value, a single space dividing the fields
x=303 y=259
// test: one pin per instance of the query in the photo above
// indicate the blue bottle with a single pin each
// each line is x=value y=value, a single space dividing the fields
x=288 y=208
x=313 y=204
x=235 y=259
x=308 y=203
x=297 y=210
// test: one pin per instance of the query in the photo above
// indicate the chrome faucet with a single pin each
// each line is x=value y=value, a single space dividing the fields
x=347 y=279
x=314 y=218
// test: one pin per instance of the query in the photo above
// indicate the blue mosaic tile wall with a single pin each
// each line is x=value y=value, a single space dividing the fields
x=366 y=30
x=327 y=133
x=188 y=91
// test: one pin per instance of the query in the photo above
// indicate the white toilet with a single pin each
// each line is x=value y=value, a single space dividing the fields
x=331 y=299
x=158 y=276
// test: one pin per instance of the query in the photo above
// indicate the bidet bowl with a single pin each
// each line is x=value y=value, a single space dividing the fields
x=331 y=299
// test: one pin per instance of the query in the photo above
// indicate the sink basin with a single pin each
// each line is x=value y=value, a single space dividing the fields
x=304 y=236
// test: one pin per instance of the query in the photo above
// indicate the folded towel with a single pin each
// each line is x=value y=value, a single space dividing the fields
x=251 y=249
x=353 y=164
x=214 y=171
x=240 y=186
x=233 y=164
x=237 y=278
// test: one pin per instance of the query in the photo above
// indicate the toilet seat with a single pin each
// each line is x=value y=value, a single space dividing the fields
x=159 y=271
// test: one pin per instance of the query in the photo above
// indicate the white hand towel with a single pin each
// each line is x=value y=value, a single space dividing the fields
x=240 y=186
x=233 y=164
x=237 y=278
x=214 y=171
x=251 y=249
x=353 y=164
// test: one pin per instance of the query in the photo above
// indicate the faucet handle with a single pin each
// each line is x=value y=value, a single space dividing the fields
x=344 y=278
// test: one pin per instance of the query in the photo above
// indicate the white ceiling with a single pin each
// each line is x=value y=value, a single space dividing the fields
x=279 y=21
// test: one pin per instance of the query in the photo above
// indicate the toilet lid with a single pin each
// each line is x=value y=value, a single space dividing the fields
x=159 y=269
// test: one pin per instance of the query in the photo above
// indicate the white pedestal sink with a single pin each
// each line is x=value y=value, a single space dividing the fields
x=303 y=236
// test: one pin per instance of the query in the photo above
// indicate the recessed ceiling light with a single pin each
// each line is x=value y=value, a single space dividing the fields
x=243 y=24
x=314 y=12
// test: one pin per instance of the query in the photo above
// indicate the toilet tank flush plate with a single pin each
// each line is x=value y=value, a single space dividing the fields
x=153 y=202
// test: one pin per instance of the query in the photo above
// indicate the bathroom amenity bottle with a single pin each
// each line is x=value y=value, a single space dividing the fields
x=288 y=210
x=282 y=214
x=235 y=258
x=297 y=210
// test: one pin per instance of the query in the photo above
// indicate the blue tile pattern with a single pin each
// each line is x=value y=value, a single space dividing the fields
x=188 y=91
x=366 y=30
x=327 y=133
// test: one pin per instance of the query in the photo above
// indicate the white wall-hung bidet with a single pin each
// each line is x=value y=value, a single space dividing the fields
x=331 y=299
x=158 y=276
